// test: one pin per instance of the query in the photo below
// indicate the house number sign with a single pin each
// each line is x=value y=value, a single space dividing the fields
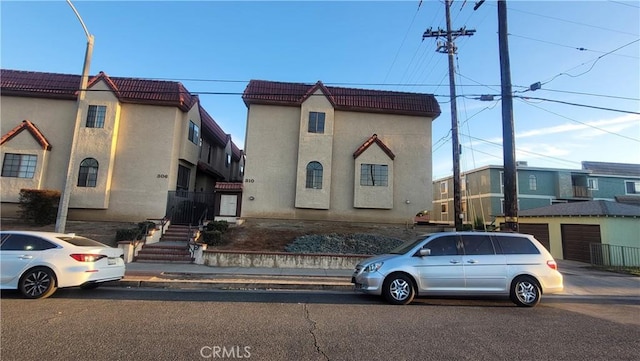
x=164 y=176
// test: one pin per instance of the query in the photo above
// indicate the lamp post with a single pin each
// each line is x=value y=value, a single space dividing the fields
x=63 y=206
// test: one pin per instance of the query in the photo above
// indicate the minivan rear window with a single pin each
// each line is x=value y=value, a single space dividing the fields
x=516 y=245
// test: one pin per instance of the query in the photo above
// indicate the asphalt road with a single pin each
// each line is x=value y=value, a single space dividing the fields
x=154 y=324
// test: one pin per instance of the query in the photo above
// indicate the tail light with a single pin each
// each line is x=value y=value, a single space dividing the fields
x=552 y=264
x=83 y=257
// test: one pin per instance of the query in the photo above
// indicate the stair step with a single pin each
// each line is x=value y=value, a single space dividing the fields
x=163 y=252
x=164 y=260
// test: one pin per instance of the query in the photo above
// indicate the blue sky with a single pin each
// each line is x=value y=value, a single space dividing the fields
x=216 y=47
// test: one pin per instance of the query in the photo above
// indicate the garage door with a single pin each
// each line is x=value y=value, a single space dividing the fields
x=540 y=231
x=576 y=239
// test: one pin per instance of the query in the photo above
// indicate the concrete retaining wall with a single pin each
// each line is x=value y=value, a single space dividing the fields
x=280 y=260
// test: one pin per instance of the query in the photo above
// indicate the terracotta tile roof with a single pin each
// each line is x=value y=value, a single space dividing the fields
x=350 y=99
x=374 y=139
x=35 y=132
x=235 y=151
x=228 y=186
x=128 y=90
x=212 y=128
x=599 y=208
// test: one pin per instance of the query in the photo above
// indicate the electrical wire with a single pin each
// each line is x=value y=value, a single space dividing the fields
x=582 y=123
x=402 y=43
x=592 y=65
x=569 y=46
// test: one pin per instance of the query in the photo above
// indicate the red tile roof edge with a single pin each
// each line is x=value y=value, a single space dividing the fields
x=373 y=139
x=35 y=132
x=348 y=99
x=229 y=186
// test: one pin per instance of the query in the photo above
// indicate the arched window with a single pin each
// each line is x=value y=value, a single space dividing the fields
x=88 y=175
x=314 y=175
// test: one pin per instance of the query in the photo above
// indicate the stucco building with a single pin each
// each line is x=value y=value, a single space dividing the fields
x=319 y=152
x=141 y=144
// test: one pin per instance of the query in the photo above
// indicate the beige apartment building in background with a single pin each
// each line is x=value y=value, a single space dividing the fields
x=139 y=142
x=316 y=152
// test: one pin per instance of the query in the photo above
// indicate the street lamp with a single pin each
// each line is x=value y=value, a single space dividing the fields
x=63 y=206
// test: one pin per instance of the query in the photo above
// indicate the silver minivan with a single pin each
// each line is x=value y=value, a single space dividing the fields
x=462 y=264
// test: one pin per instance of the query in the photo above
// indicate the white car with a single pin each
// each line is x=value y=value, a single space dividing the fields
x=38 y=263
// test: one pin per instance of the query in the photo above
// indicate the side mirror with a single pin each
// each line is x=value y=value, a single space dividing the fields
x=424 y=252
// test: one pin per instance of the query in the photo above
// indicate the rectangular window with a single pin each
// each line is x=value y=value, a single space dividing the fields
x=374 y=175
x=19 y=165
x=95 y=116
x=194 y=133
x=592 y=183
x=632 y=187
x=316 y=122
x=443 y=187
x=533 y=183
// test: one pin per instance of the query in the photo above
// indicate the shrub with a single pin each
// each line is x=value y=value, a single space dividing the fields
x=126 y=234
x=213 y=238
x=220 y=226
x=146 y=226
x=39 y=206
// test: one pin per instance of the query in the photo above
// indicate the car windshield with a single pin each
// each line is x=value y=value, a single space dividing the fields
x=407 y=246
x=81 y=241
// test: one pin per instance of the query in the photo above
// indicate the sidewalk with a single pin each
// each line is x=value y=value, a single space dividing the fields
x=579 y=279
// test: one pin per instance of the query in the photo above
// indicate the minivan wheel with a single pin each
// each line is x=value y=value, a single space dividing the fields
x=398 y=289
x=39 y=282
x=525 y=292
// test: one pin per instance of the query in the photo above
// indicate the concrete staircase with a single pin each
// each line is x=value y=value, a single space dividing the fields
x=172 y=248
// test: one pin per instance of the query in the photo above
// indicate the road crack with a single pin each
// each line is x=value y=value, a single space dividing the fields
x=312 y=331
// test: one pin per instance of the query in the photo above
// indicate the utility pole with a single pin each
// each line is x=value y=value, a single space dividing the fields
x=508 y=142
x=450 y=48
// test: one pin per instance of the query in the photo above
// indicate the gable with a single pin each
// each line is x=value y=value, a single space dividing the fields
x=32 y=129
x=374 y=140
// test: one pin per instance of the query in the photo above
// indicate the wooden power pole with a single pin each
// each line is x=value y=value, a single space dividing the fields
x=450 y=49
x=508 y=141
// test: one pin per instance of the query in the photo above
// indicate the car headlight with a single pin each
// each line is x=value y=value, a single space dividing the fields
x=373 y=267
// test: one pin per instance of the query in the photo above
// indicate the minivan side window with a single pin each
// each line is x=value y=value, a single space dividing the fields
x=516 y=245
x=443 y=246
x=477 y=244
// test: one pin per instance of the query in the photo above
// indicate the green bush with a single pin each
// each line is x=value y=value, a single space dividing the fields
x=126 y=234
x=220 y=226
x=39 y=206
x=146 y=226
x=213 y=238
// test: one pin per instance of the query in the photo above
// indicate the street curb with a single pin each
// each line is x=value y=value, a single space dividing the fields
x=238 y=285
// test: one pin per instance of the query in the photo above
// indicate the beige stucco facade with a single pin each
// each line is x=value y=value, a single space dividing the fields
x=138 y=151
x=278 y=148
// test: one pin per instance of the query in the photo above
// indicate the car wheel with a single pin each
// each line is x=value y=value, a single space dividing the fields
x=38 y=282
x=398 y=289
x=90 y=286
x=525 y=292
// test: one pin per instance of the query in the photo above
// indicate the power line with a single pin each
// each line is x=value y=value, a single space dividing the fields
x=579 y=122
x=592 y=65
x=569 y=46
x=578 y=105
x=568 y=21
x=402 y=43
